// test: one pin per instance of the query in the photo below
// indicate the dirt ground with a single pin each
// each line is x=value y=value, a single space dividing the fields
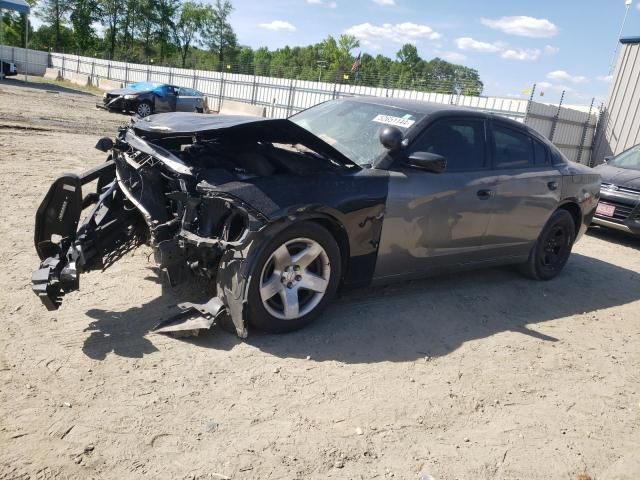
x=484 y=375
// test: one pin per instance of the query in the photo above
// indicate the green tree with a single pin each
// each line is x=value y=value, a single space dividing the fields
x=111 y=15
x=189 y=24
x=54 y=13
x=408 y=55
x=219 y=33
x=84 y=13
x=167 y=10
x=149 y=21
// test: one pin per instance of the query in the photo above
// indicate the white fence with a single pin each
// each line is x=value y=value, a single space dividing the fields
x=33 y=62
x=571 y=130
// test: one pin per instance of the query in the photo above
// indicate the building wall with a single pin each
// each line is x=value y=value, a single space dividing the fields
x=619 y=127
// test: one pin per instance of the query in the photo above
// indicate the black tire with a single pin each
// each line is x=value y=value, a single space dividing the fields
x=258 y=315
x=144 y=108
x=551 y=251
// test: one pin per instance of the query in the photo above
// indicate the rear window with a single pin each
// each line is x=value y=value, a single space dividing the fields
x=188 y=92
x=512 y=149
x=541 y=153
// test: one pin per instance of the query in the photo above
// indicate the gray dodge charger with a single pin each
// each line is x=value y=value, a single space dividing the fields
x=282 y=213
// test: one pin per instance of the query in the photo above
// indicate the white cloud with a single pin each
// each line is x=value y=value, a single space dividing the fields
x=523 y=26
x=607 y=78
x=562 y=76
x=551 y=50
x=543 y=86
x=278 y=25
x=469 y=44
x=638 y=6
x=370 y=35
x=323 y=3
x=453 y=57
x=385 y=2
x=521 y=54
x=503 y=49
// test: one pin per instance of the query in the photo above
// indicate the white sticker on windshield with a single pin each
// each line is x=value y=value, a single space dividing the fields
x=395 y=121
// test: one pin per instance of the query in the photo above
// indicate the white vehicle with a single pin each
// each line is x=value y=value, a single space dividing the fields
x=7 y=69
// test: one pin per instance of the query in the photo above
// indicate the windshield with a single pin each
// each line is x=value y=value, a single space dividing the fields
x=140 y=86
x=629 y=159
x=353 y=128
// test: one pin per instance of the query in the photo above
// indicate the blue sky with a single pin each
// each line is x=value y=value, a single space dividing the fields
x=558 y=44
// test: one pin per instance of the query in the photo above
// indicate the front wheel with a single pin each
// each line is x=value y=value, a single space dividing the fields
x=295 y=276
x=551 y=251
x=144 y=109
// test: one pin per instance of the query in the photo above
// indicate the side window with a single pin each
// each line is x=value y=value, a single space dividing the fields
x=459 y=140
x=186 y=92
x=541 y=154
x=512 y=149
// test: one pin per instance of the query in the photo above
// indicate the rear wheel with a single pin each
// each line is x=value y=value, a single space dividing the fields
x=144 y=109
x=553 y=247
x=295 y=276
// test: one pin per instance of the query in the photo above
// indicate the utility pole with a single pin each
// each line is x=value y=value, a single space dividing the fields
x=627 y=6
x=321 y=65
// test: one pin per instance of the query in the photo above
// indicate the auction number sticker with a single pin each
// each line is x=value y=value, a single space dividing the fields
x=395 y=121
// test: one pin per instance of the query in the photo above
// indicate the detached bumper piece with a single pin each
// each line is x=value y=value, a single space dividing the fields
x=66 y=250
x=192 y=319
x=53 y=280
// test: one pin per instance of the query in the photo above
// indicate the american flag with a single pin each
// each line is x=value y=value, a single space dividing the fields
x=357 y=64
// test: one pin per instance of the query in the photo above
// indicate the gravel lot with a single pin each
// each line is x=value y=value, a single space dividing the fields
x=472 y=376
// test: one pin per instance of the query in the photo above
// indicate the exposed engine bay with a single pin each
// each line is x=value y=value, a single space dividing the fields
x=200 y=192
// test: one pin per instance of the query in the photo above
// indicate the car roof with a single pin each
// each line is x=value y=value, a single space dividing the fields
x=418 y=106
x=432 y=109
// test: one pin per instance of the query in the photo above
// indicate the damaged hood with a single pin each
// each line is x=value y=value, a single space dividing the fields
x=238 y=128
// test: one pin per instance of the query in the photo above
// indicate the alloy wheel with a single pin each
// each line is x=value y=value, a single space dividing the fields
x=295 y=278
x=144 y=110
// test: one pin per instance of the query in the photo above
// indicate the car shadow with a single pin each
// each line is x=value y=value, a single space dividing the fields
x=49 y=87
x=402 y=322
x=615 y=236
x=125 y=333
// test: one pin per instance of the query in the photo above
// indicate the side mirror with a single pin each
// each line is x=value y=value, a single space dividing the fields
x=391 y=138
x=431 y=162
x=104 y=144
x=608 y=159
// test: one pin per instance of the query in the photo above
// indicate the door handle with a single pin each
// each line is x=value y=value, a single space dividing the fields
x=485 y=194
x=552 y=185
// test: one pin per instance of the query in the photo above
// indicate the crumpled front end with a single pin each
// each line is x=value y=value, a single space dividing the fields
x=207 y=193
x=148 y=193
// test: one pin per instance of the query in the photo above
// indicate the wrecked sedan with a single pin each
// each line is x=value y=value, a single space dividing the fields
x=147 y=98
x=282 y=213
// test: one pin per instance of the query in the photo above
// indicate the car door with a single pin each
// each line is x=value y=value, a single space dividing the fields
x=187 y=100
x=166 y=99
x=527 y=192
x=438 y=220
